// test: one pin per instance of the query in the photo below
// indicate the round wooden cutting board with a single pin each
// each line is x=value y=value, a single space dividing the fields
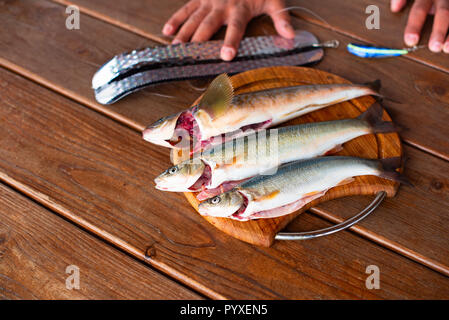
x=262 y=231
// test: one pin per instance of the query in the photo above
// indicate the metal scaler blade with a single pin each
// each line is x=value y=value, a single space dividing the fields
x=132 y=71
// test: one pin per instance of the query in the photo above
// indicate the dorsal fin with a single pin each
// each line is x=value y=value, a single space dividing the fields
x=217 y=97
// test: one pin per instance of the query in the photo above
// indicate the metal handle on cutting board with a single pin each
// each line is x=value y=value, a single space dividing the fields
x=339 y=227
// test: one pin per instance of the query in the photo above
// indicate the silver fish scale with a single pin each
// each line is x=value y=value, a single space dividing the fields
x=192 y=60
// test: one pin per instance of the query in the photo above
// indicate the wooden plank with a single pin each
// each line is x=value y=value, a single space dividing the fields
x=348 y=17
x=417 y=93
x=99 y=174
x=96 y=42
x=36 y=247
x=425 y=89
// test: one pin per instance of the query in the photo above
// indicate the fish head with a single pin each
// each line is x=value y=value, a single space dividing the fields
x=180 y=177
x=162 y=131
x=223 y=205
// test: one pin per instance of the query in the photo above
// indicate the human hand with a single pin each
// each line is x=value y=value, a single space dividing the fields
x=421 y=8
x=200 y=19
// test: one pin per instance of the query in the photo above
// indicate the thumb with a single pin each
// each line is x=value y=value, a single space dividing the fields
x=281 y=19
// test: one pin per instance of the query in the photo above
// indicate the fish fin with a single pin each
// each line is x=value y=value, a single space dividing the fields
x=345 y=181
x=217 y=97
x=335 y=149
x=374 y=86
x=389 y=166
x=374 y=118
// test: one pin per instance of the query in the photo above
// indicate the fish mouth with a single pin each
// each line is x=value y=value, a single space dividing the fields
x=160 y=185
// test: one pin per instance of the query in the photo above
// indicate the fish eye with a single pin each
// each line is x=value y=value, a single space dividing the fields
x=172 y=170
x=215 y=200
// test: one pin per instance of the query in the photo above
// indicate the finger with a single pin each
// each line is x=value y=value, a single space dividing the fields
x=209 y=26
x=416 y=19
x=446 y=45
x=397 y=5
x=234 y=33
x=179 y=17
x=440 y=26
x=189 y=27
x=281 y=19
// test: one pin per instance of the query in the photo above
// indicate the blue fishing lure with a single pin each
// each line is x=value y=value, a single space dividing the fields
x=364 y=51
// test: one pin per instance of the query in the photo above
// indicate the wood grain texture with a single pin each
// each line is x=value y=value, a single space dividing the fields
x=348 y=17
x=98 y=174
x=262 y=231
x=424 y=89
x=35 y=37
x=36 y=247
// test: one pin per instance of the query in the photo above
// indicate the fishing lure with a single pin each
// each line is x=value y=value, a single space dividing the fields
x=365 y=51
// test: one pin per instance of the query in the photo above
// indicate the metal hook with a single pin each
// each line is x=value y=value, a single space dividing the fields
x=327 y=44
x=339 y=227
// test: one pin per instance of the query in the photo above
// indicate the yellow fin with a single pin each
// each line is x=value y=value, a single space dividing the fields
x=217 y=97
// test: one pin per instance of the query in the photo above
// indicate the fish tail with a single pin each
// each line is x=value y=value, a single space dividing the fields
x=389 y=166
x=374 y=118
x=374 y=86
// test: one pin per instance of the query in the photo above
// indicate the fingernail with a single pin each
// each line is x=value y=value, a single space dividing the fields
x=176 y=41
x=446 y=47
x=411 y=39
x=227 y=53
x=167 y=29
x=435 y=46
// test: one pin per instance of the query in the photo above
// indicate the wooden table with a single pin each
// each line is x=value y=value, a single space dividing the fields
x=76 y=178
